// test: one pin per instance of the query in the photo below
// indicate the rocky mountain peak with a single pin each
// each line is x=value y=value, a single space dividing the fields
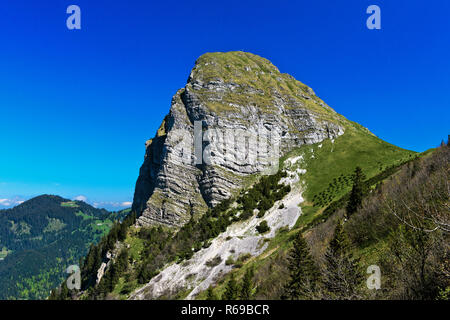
x=236 y=115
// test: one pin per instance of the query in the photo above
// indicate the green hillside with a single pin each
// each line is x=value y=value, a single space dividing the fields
x=248 y=70
x=329 y=169
x=330 y=165
x=41 y=237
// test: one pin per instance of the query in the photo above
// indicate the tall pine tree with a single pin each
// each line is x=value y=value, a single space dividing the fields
x=357 y=192
x=304 y=274
x=342 y=275
x=232 y=290
x=247 y=285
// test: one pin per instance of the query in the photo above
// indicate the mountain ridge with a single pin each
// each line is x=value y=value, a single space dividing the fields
x=41 y=237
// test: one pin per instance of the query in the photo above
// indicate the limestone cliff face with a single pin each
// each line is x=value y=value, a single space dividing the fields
x=234 y=97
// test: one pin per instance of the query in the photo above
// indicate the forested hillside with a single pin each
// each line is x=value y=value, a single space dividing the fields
x=41 y=237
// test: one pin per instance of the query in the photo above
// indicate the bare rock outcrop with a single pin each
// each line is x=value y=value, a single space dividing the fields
x=241 y=113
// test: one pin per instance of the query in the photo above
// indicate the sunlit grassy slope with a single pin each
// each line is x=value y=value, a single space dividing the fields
x=250 y=71
x=329 y=166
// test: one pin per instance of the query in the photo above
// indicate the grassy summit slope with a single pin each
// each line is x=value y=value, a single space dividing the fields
x=254 y=81
x=329 y=166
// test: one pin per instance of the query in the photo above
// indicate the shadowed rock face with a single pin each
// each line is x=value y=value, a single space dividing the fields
x=236 y=97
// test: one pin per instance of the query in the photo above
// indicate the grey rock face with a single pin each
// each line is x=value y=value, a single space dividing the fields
x=246 y=108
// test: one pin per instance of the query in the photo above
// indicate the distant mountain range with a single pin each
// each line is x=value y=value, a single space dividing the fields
x=41 y=237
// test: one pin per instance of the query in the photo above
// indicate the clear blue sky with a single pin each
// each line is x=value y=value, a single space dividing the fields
x=77 y=106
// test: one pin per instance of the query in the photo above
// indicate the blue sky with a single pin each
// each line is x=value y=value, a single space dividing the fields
x=77 y=105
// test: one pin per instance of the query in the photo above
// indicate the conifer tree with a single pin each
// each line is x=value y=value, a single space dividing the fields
x=342 y=275
x=64 y=294
x=122 y=233
x=122 y=261
x=304 y=274
x=247 y=285
x=53 y=295
x=357 y=192
x=231 y=291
